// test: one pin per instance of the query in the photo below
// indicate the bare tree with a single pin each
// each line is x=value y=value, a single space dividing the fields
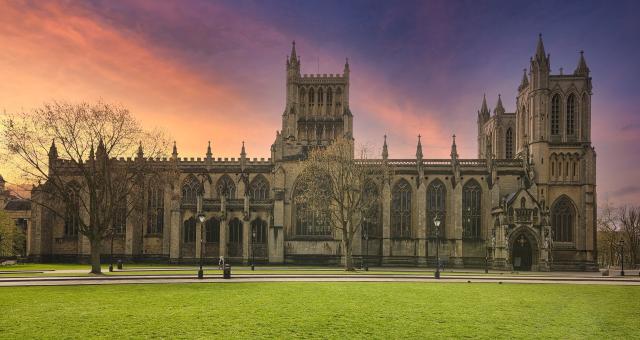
x=343 y=189
x=629 y=218
x=76 y=153
x=608 y=235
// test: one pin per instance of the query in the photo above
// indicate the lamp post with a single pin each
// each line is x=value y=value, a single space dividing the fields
x=621 y=257
x=436 y=223
x=111 y=254
x=253 y=249
x=486 y=258
x=201 y=218
x=366 y=245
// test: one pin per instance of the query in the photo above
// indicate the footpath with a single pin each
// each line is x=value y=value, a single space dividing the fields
x=317 y=275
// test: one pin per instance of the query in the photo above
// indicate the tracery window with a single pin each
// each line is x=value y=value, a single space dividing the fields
x=72 y=213
x=308 y=221
x=584 y=114
x=509 y=144
x=191 y=188
x=471 y=213
x=562 y=219
x=401 y=209
x=555 y=115
x=212 y=230
x=436 y=207
x=329 y=97
x=571 y=115
x=235 y=231
x=189 y=232
x=119 y=223
x=226 y=187
x=371 y=219
x=259 y=189
x=259 y=226
x=312 y=97
x=155 y=209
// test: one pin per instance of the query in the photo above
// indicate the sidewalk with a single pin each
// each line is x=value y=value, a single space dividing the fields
x=237 y=278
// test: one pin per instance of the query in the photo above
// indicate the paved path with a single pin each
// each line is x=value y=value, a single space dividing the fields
x=145 y=279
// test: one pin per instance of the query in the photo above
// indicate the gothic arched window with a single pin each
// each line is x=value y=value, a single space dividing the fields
x=72 y=212
x=436 y=207
x=372 y=214
x=189 y=232
x=212 y=230
x=259 y=189
x=555 y=115
x=155 y=208
x=235 y=231
x=329 y=97
x=563 y=215
x=191 y=188
x=259 y=229
x=401 y=209
x=571 y=115
x=471 y=213
x=320 y=97
x=226 y=188
x=309 y=222
x=509 y=144
x=119 y=223
x=312 y=97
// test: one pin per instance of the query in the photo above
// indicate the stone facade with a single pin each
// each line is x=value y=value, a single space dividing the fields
x=528 y=202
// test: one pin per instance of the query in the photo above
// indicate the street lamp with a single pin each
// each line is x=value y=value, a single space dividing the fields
x=621 y=257
x=111 y=254
x=201 y=218
x=486 y=258
x=366 y=245
x=253 y=249
x=436 y=223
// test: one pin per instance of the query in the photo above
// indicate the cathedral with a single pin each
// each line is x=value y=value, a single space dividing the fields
x=527 y=202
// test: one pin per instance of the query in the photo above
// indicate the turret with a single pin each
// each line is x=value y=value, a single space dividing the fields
x=499 y=110
x=483 y=117
x=540 y=67
x=174 y=153
x=582 y=69
x=209 y=154
x=140 y=154
x=524 y=83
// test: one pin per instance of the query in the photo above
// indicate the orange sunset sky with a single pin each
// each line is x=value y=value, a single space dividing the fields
x=216 y=70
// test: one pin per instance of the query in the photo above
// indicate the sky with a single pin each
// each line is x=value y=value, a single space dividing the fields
x=215 y=70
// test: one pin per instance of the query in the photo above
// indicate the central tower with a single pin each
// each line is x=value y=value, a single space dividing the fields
x=316 y=110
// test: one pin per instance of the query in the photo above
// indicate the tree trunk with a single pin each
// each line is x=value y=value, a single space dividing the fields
x=95 y=257
x=348 y=253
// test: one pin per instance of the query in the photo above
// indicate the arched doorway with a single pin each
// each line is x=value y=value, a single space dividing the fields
x=522 y=255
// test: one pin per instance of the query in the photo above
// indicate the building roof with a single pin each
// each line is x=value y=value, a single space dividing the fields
x=17 y=205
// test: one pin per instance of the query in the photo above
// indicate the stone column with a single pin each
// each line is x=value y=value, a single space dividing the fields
x=245 y=241
x=198 y=238
x=386 y=220
x=421 y=212
x=175 y=226
x=276 y=229
x=223 y=237
x=456 y=251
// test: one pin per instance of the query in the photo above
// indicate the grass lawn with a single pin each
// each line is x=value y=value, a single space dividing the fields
x=320 y=310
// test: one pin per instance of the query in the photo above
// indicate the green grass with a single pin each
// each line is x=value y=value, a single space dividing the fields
x=320 y=310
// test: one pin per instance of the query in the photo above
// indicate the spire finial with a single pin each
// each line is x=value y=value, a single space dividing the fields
x=499 y=108
x=454 y=148
x=174 y=154
x=140 y=152
x=385 y=150
x=294 y=56
x=242 y=151
x=525 y=81
x=540 y=54
x=582 y=69
x=419 y=149
x=53 y=150
x=209 y=149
